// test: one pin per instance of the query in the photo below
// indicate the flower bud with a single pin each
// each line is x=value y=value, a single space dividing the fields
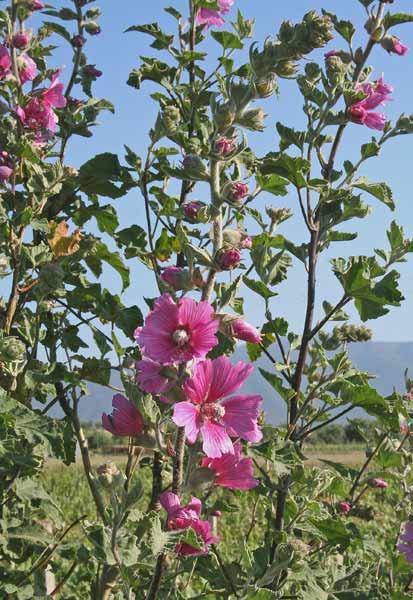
x=228 y=258
x=92 y=28
x=109 y=475
x=37 y=5
x=408 y=397
x=195 y=167
x=265 y=86
x=277 y=215
x=171 y=117
x=70 y=171
x=393 y=45
x=246 y=242
x=5 y=172
x=358 y=56
x=224 y=146
x=91 y=71
x=344 y=507
x=12 y=349
x=192 y=209
x=378 y=483
x=284 y=553
x=224 y=115
x=21 y=40
x=78 y=41
x=252 y=118
x=177 y=278
x=234 y=193
x=233 y=237
x=216 y=513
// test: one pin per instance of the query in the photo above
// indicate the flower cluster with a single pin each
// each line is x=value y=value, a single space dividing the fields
x=209 y=18
x=376 y=94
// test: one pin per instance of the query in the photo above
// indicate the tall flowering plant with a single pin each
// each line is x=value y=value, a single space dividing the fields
x=213 y=501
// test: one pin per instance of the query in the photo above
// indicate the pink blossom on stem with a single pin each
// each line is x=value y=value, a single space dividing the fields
x=246 y=243
x=216 y=418
x=27 y=68
x=149 y=377
x=393 y=45
x=178 y=332
x=125 y=419
x=377 y=93
x=5 y=62
x=5 y=172
x=224 y=146
x=407 y=537
x=232 y=470
x=209 y=18
x=37 y=5
x=344 y=507
x=228 y=258
x=92 y=71
x=379 y=483
x=20 y=40
x=170 y=276
x=53 y=96
x=187 y=517
x=246 y=332
x=191 y=210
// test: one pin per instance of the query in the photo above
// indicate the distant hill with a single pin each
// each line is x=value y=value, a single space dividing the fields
x=387 y=360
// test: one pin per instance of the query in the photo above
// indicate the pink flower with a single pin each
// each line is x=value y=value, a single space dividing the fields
x=234 y=192
x=125 y=419
x=216 y=419
x=393 y=45
x=92 y=71
x=170 y=276
x=246 y=243
x=5 y=62
x=187 y=517
x=228 y=258
x=178 y=332
x=149 y=377
x=378 y=93
x=27 y=68
x=20 y=40
x=191 y=210
x=246 y=332
x=5 y=172
x=379 y=483
x=224 y=146
x=53 y=96
x=344 y=507
x=78 y=41
x=331 y=53
x=37 y=5
x=232 y=471
x=208 y=17
x=407 y=536
x=36 y=116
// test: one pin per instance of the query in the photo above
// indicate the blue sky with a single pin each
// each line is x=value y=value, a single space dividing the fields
x=117 y=53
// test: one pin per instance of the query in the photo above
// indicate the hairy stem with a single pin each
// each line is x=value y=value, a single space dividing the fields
x=216 y=224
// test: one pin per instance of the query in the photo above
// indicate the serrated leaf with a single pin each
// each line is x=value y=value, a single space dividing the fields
x=378 y=190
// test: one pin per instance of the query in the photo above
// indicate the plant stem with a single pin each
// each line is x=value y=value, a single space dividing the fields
x=156 y=482
x=217 y=239
x=366 y=464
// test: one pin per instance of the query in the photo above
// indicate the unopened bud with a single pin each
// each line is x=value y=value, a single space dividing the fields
x=228 y=258
x=192 y=210
x=224 y=115
x=252 y=118
x=12 y=349
x=78 y=41
x=223 y=146
x=92 y=28
x=21 y=40
x=235 y=192
x=265 y=86
x=195 y=167
x=109 y=475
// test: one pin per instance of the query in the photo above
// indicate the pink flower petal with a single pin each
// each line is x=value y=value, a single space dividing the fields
x=186 y=415
x=241 y=413
x=216 y=441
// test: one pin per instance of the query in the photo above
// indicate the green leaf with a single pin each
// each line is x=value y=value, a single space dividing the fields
x=346 y=29
x=369 y=150
x=290 y=137
x=96 y=370
x=128 y=319
x=277 y=383
x=274 y=184
x=390 y=20
x=378 y=190
x=162 y=41
x=334 y=531
x=227 y=40
x=101 y=253
x=97 y=176
x=292 y=168
x=48 y=27
x=259 y=287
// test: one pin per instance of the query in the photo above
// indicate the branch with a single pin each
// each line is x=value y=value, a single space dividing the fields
x=345 y=300
x=331 y=420
x=366 y=464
